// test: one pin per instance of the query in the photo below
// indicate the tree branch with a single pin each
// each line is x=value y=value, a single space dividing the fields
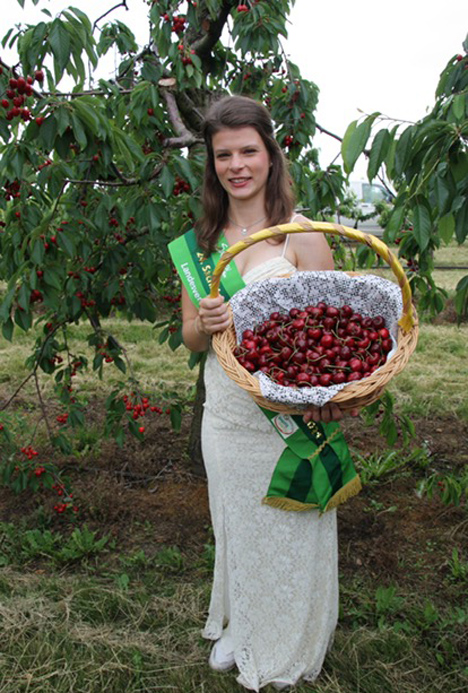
x=174 y=114
x=179 y=142
x=327 y=132
x=42 y=405
x=34 y=371
x=121 y=4
x=185 y=137
x=18 y=389
x=214 y=28
x=115 y=184
x=91 y=92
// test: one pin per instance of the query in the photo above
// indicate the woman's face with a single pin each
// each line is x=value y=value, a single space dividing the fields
x=242 y=163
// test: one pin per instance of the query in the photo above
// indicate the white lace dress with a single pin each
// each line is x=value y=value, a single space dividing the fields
x=276 y=573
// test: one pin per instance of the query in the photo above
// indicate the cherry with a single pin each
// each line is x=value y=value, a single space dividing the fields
x=378 y=322
x=318 y=345
x=327 y=341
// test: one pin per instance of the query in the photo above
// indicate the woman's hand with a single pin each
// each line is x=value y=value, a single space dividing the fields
x=213 y=316
x=329 y=412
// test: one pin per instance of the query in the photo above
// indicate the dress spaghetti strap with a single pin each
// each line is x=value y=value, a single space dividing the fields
x=285 y=244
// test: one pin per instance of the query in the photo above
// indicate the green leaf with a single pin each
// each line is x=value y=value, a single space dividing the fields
x=23 y=319
x=403 y=150
x=38 y=252
x=6 y=304
x=79 y=131
x=62 y=116
x=378 y=152
x=120 y=363
x=422 y=224
x=59 y=40
x=48 y=132
x=461 y=223
x=395 y=223
x=176 y=418
x=461 y=297
x=7 y=36
x=167 y=181
x=53 y=278
x=444 y=193
x=347 y=136
x=446 y=227
x=163 y=335
x=88 y=114
x=458 y=106
x=354 y=142
x=66 y=243
x=24 y=296
x=175 y=339
x=7 y=329
x=195 y=358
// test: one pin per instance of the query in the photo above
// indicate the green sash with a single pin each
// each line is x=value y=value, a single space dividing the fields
x=315 y=470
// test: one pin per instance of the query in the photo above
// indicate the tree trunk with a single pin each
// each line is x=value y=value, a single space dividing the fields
x=194 y=445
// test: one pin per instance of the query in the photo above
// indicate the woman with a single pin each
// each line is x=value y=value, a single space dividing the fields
x=274 y=602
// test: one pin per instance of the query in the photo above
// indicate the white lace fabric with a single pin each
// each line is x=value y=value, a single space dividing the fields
x=276 y=573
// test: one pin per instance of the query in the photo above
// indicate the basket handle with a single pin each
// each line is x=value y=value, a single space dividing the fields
x=406 y=321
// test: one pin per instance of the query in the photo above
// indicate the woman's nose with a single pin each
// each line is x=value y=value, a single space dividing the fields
x=236 y=162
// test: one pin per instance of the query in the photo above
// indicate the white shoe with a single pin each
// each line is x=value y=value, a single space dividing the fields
x=222 y=655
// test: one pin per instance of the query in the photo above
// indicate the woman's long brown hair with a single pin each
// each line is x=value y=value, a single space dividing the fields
x=237 y=112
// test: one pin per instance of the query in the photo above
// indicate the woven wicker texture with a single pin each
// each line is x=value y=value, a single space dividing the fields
x=356 y=394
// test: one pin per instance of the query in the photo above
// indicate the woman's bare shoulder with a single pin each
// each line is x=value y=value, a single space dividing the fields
x=311 y=248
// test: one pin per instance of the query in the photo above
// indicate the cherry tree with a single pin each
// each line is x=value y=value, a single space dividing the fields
x=98 y=175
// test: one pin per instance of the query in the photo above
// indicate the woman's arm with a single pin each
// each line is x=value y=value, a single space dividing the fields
x=199 y=324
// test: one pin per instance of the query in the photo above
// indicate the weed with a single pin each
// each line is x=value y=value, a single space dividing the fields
x=387 y=603
x=378 y=507
x=458 y=568
x=139 y=559
x=170 y=558
x=82 y=544
x=208 y=557
x=374 y=466
x=451 y=488
x=122 y=581
x=20 y=545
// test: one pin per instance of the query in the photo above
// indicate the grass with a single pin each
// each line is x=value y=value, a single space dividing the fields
x=84 y=633
x=451 y=255
x=447 y=256
x=435 y=380
x=162 y=369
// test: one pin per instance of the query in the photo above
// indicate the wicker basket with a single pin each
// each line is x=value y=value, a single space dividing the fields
x=356 y=394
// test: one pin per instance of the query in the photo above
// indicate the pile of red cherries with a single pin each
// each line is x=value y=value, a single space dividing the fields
x=320 y=345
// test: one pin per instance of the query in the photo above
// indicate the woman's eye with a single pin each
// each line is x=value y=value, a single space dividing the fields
x=222 y=156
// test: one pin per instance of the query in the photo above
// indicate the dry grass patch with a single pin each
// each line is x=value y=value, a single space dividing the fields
x=82 y=634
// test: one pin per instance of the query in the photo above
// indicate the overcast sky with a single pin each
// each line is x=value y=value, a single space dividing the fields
x=362 y=54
